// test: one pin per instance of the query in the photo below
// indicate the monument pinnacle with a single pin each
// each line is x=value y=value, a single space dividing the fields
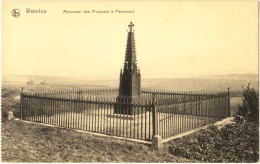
x=130 y=26
x=130 y=56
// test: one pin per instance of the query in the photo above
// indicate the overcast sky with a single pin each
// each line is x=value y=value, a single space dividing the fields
x=173 y=38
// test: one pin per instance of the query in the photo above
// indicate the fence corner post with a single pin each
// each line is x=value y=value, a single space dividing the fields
x=154 y=117
x=229 y=112
x=157 y=139
x=21 y=101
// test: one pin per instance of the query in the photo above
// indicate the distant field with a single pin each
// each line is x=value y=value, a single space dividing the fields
x=204 y=85
x=236 y=83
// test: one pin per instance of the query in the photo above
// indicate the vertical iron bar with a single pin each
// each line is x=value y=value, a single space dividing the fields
x=118 y=123
x=110 y=112
x=26 y=107
x=61 y=109
x=98 y=114
x=113 y=124
x=138 y=122
x=145 y=120
x=55 y=111
x=49 y=110
x=30 y=108
x=84 y=112
x=101 y=108
x=133 y=111
x=54 y=104
x=65 y=108
x=95 y=113
x=44 y=108
x=91 y=116
x=52 y=111
x=229 y=112
x=141 y=109
x=37 y=108
x=127 y=121
x=124 y=128
x=154 y=119
x=149 y=121
x=21 y=104
x=106 y=122
x=71 y=111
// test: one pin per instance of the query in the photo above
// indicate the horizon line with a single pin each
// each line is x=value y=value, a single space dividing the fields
x=94 y=78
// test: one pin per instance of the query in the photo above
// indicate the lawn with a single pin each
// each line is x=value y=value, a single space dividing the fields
x=31 y=142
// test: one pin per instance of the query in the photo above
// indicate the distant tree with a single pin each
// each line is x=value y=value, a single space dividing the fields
x=250 y=105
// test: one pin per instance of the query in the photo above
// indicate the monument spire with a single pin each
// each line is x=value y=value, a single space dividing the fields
x=130 y=77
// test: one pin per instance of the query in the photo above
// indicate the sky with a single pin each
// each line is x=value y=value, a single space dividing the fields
x=173 y=38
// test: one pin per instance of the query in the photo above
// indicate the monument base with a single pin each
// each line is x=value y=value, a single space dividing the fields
x=128 y=106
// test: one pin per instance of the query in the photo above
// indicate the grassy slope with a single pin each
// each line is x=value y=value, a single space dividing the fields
x=25 y=142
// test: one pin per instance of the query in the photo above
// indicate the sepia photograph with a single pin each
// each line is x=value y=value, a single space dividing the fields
x=143 y=81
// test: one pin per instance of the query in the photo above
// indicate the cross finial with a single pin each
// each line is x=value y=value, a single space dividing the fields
x=130 y=26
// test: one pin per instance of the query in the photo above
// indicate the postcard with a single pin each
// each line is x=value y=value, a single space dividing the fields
x=130 y=81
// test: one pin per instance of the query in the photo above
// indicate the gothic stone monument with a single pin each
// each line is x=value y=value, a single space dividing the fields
x=130 y=79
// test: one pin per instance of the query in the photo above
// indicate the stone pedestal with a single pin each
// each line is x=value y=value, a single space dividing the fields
x=157 y=142
x=10 y=115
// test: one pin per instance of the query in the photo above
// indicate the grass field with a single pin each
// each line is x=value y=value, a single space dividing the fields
x=30 y=142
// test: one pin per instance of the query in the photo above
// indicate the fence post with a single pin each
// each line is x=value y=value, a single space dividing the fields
x=21 y=101
x=154 y=118
x=157 y=139
x=229 y=112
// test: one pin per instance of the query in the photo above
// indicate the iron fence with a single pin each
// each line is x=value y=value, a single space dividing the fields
x=174 y=118
x=154 y=113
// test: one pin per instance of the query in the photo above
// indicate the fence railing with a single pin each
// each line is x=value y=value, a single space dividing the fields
x=95 y=110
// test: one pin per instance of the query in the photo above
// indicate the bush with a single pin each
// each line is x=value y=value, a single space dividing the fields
x=250 y=106
x=10 y=105
x=232 y=143
x=10 y=94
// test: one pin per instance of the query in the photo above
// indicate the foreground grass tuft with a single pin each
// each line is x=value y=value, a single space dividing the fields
x=30 y=142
